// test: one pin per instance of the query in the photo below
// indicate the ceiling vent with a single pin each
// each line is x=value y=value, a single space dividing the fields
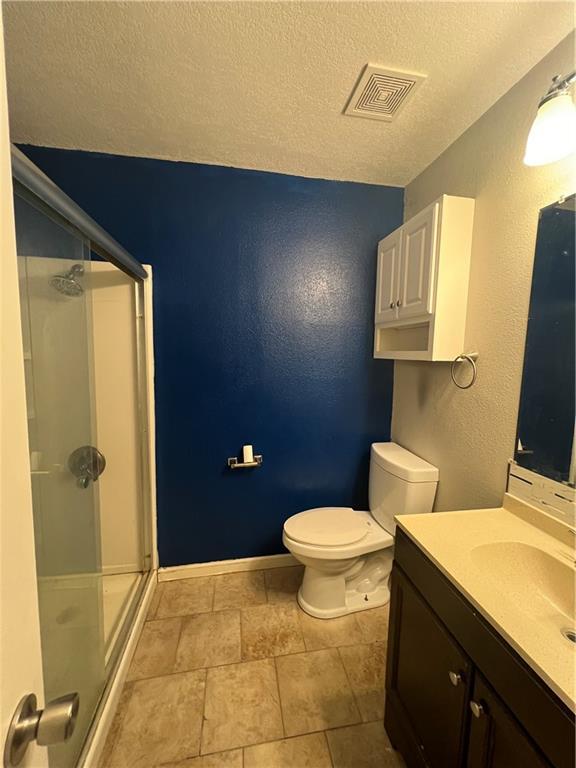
x=381 y=93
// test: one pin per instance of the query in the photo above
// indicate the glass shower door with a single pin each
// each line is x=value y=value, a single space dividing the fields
x=54 y=263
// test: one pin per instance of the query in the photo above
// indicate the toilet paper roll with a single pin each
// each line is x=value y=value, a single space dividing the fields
x=247 y=454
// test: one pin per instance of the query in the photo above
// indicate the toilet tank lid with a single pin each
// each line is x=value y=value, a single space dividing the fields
x=405 y=465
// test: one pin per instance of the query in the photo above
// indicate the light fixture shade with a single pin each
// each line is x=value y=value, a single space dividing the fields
x=553 y=132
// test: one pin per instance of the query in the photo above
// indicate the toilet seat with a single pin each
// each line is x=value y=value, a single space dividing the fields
x=374 y=538
x=326 y=527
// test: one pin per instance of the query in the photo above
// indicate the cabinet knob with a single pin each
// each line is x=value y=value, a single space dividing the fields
x=392 y=305
x=455 y=678
x=477 y=709
x=398 y=303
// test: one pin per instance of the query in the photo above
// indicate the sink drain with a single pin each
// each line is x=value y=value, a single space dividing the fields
x=569 y=634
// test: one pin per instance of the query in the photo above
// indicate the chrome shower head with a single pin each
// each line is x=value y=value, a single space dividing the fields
x=67 y=283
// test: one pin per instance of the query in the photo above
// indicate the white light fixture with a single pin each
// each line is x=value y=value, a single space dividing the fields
x=553 y=132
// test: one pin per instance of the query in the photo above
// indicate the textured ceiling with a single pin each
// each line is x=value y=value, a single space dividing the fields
x=263 y=84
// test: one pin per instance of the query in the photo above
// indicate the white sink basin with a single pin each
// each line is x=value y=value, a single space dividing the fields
x=517 y=569
x=535 y=580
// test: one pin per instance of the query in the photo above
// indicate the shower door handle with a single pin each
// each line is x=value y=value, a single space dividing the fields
x=51 y=725
x=87 y=464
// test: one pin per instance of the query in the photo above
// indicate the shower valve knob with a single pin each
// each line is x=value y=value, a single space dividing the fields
x=86 y=464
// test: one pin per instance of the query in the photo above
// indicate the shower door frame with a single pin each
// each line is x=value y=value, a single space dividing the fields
x=117 y=667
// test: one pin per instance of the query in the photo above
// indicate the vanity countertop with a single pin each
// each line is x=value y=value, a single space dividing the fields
x=517 y=569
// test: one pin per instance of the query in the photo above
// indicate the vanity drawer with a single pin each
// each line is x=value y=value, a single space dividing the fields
x=537 y=709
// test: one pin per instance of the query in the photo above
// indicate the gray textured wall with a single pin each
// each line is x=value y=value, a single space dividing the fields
x=470 y=434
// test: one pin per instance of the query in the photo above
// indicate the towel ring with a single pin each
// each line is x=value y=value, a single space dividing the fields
x=471 y=358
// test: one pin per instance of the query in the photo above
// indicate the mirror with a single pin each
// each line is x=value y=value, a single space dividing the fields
x=545 y=435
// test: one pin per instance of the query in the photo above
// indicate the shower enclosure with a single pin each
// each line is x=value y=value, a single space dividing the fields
x=85 y=370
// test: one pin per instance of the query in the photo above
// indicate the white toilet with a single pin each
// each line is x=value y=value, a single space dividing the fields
x=348 y=554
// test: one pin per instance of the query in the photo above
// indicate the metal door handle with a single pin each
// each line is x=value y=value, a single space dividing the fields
x=477 y=709
x=51 y=725
x=87 y=464
x=455 y=678
x=392 y=305
x=398 y=303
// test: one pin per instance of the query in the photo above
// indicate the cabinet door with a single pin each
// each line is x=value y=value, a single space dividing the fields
x=419 y=239
x=387 y=278
x=496 y=740
x=427 y=679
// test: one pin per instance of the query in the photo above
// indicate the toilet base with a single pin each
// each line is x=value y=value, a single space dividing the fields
x=354 y=602
x=359 y=584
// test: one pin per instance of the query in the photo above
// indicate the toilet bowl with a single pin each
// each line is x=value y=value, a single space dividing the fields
x=348 y=553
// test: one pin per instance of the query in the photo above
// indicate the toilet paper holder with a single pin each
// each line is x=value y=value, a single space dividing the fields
x=233 y=463
x=249 y=459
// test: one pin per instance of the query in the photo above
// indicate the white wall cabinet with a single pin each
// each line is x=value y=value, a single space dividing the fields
x=388 y=275
x=422 y=284
x=417 y=266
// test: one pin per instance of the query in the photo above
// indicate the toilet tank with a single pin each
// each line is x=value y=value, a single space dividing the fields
x=401 y=483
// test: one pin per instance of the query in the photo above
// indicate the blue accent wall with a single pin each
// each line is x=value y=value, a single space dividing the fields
x=263 y=313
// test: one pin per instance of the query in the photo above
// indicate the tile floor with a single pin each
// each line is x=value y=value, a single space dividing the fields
x=231 y=673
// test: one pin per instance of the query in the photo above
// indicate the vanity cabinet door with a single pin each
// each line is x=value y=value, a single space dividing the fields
x=496 y=740
x=427 y=679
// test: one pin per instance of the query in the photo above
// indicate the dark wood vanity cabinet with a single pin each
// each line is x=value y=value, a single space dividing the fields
x=457 y=695
x=495 y=738
x=419 y=682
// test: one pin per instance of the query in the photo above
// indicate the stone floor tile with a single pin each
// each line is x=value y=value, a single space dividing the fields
x=374 y=624
x=114 y=729
x=162 y=722
x=156 y=649
x=365 y=666
x=314 y=692
x=363 y=746
x=329 y=633
x=209 y=640
x=242 y=706
x=271 y=630
x=238 y=590
x=310 y=751
x=230 y=759
x=185 y=597
x=153 y=606
x=282 y=584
